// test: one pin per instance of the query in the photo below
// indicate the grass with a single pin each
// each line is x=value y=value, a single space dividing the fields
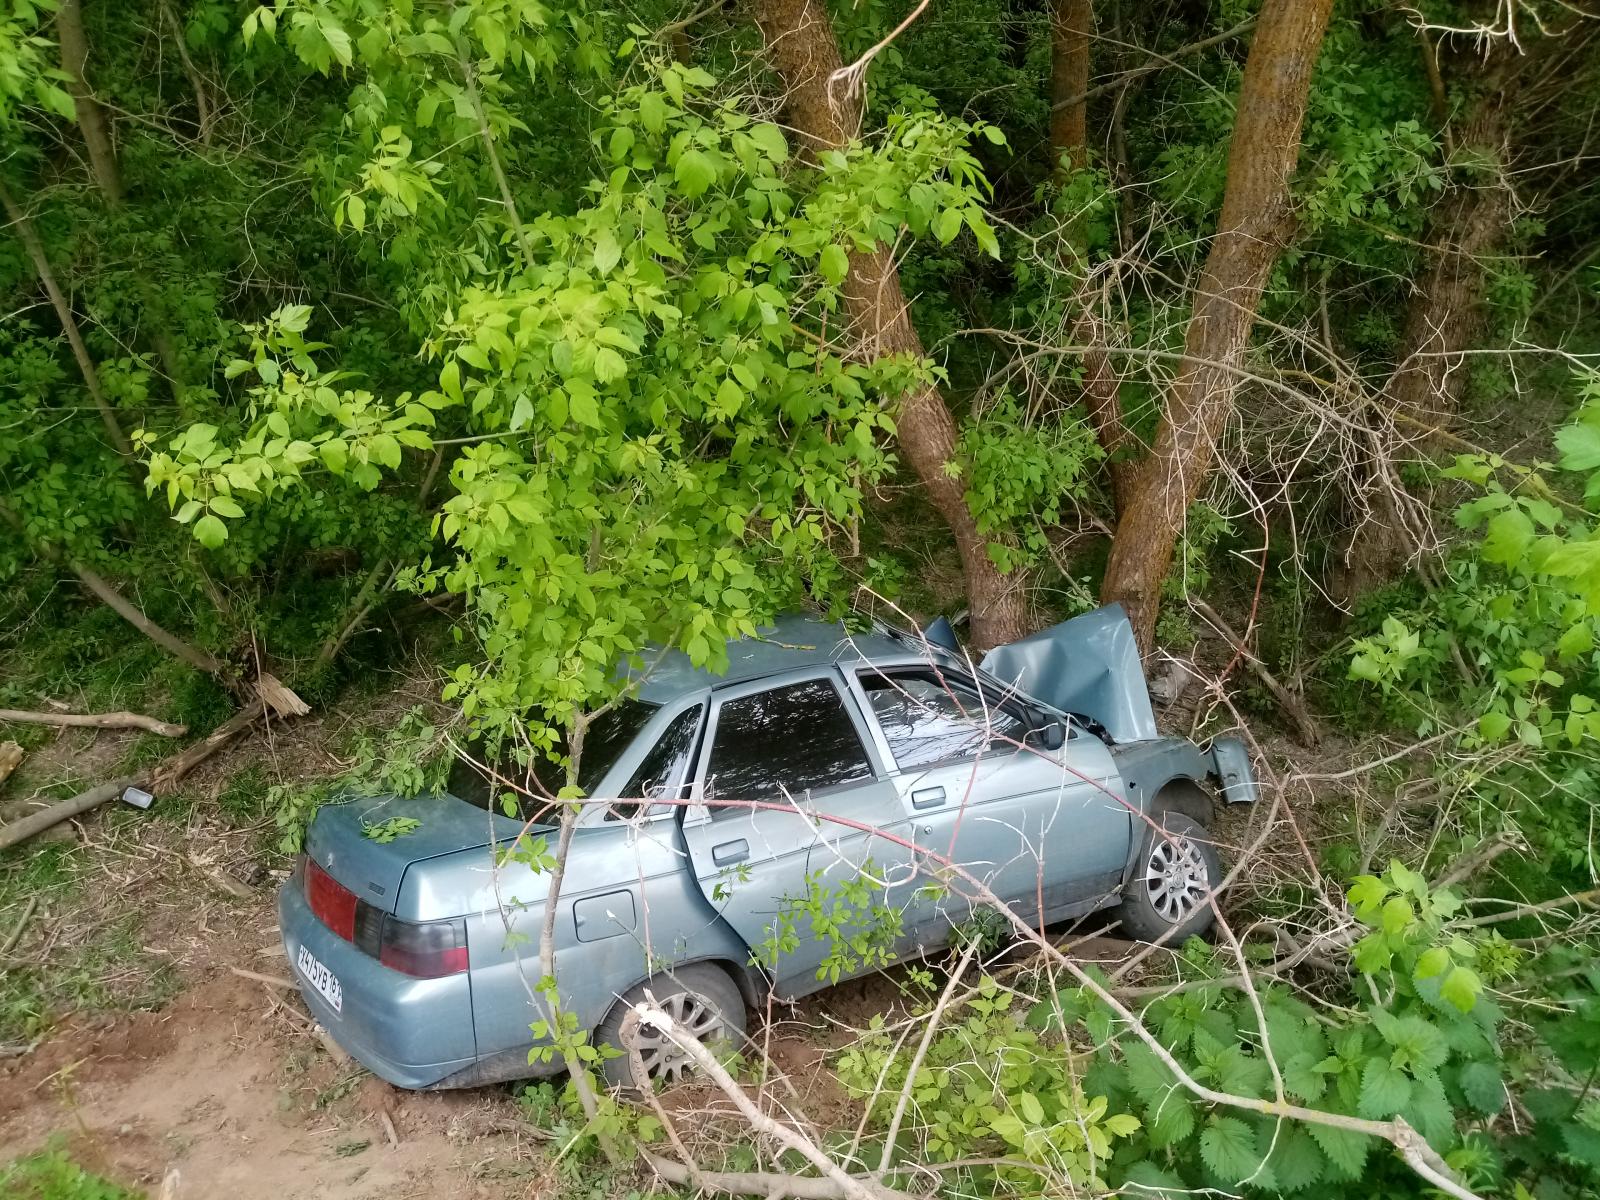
x=51 y=1175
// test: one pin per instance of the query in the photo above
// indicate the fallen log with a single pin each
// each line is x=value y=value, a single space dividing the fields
x=20 y=831
x=115 y=720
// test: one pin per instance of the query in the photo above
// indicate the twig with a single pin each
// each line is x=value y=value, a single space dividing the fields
x=114 y=720
x=15 y=935
x=1480 y=857
x=921 y=1052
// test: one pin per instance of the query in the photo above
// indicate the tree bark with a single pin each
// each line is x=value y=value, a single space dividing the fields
x=69 y=326
x=804 y=51
x=1254 y=225
x=91 y=117
x=1071 y=25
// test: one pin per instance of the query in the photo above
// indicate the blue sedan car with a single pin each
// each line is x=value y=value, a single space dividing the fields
x=739 y=795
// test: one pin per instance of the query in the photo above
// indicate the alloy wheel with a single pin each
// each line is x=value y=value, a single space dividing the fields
x=1176 y=878
x=662 y=1059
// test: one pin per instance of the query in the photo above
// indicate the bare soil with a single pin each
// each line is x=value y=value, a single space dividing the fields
x=229 y=1086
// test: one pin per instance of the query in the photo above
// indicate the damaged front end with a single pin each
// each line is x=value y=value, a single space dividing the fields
x=1090 y=668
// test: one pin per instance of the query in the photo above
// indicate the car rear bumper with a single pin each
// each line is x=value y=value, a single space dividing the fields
x=412 y=1032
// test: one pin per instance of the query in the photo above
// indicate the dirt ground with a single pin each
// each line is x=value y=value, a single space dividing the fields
x=229 y=1086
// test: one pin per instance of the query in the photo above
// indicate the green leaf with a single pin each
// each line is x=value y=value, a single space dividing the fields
x=1346 y=1150
x=210 y=532
x=1461 y=987
x=607 y=253
x=1228 y=1148
x=608 y=365
x=771 y=141
x=355 y=211
x=1483 y=1086
x=1170 y=1120
x=834 y=264
x=1508 y=537
x=226 y=506
x=1301 y=1078
x=1579 y=446
x=1296 y=1161
x=334 y=454
x=583 y=404
x=1493 y=726
x=981 y=230
x=695 y=173
x=1385 y=1090
x=947 y=225
x=1032 y=1110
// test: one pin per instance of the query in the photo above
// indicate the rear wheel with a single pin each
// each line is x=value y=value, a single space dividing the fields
x=699 y=998
x=1172 y=879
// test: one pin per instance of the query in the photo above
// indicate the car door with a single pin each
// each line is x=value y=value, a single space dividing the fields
x=816 y=899
x=1044 y=830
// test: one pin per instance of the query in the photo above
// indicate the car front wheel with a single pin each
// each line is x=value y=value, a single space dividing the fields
x=1171 y=883
x=700 y=999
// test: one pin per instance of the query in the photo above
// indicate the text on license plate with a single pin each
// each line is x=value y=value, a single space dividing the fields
x=319 y=977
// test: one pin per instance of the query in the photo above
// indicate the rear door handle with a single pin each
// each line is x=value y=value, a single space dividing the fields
x=927 y=797
x=730 y=852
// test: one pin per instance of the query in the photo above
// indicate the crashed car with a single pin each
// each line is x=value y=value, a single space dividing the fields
x=818 y=757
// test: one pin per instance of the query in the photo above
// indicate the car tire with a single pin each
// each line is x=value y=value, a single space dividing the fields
x=700 y=996
x=1174 y=872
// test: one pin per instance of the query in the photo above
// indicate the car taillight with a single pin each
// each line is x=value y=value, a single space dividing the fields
x=423 y=950
x=332 y=902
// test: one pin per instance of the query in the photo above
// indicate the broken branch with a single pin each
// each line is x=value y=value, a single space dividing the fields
x=114 y=720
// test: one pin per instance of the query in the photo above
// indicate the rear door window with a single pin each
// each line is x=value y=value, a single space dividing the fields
x=796 y=738
x=663 y=773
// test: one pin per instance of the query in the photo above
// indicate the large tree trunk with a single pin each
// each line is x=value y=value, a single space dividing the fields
x=1071 y=24
x=802 y=47
x=91 y=117
x=1254 y=226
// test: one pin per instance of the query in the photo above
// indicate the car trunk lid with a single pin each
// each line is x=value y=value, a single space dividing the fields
x=339 y=840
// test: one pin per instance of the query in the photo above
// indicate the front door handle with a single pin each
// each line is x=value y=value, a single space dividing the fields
x=730 y=852
x=927 y=797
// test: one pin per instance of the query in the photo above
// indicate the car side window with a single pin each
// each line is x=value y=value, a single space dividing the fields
x=796 y=738
x=664 y=770
x=929 y=717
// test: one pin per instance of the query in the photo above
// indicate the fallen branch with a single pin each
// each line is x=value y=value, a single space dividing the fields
x=114 y=720
x=835 y=1183
x=21 y=831
x=1287 y=700
x=175 y=768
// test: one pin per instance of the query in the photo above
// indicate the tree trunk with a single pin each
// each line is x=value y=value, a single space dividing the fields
x=802 y=47
x=1254 y=226
x=91 y=117
x=1468 y=226
x=1072 y=23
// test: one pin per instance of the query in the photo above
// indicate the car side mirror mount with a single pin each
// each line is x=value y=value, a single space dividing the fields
x=1053 y=735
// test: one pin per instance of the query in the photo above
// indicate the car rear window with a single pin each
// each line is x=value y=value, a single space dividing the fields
x=610 y=734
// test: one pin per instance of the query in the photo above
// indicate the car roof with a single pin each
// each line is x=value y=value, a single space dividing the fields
x=793 y=641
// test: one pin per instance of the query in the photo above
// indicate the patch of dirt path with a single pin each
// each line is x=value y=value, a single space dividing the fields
x=229 y=1086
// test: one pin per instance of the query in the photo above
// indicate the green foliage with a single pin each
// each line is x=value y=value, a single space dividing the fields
x=50 y=1175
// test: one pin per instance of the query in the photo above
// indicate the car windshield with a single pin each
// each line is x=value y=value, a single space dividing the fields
x=610 y=734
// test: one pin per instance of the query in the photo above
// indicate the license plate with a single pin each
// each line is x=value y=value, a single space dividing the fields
x=319 y=977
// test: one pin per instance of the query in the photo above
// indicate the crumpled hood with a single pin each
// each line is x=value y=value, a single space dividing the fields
x=1088 y=665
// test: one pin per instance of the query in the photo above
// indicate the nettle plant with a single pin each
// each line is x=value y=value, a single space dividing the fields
x=652 y=444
